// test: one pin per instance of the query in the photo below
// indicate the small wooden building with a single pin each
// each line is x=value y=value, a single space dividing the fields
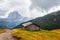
x=31 y=26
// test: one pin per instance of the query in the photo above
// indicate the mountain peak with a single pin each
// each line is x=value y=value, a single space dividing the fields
x=14 y=15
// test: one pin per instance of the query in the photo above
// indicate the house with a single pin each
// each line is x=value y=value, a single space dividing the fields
x=31 y=26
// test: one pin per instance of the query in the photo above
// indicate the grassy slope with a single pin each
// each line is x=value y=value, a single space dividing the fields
x=36 y=35
x=2 y=31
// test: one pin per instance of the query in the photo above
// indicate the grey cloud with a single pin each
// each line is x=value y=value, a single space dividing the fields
x=2 y=12
x=1 y=1
x=44 y=4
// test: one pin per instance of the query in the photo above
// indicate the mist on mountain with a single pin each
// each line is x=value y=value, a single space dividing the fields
x=13 y=20
x=48 y=22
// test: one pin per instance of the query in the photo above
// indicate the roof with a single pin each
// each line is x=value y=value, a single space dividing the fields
x=29 y=23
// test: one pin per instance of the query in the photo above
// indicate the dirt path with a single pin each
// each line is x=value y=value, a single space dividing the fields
x=7 y=36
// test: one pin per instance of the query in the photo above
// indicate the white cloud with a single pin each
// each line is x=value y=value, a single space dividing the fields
x=20 y=5
x=37 y=13
x=53 y=9
x=23 y=7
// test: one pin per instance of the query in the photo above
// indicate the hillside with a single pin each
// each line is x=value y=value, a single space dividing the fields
x=48 y=22
x=35 y=35
x=22 y=34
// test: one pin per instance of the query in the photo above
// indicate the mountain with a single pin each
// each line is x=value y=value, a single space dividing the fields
x=48 y=22
x=14 y=16
x=13 y=20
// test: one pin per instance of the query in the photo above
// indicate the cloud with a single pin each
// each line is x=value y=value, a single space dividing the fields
x=19 y=5
x=36 y=12
x=47 y=6
x=44 y=4
x=53 y=9
x=28 y=8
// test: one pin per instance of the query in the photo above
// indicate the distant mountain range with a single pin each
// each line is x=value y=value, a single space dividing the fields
x=13 y=20
x=47 y=22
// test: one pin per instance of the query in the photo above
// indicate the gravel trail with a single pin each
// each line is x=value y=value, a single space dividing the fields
x=7 y=36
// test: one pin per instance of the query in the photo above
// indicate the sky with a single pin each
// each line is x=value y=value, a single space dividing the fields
x=28 y=8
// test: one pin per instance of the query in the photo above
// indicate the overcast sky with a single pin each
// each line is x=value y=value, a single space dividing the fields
x=28 y=8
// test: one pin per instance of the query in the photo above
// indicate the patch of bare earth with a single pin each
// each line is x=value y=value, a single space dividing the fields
x=7 y=36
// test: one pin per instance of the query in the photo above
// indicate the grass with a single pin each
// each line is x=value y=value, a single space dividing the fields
x=2 y=31
x=36 y=35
